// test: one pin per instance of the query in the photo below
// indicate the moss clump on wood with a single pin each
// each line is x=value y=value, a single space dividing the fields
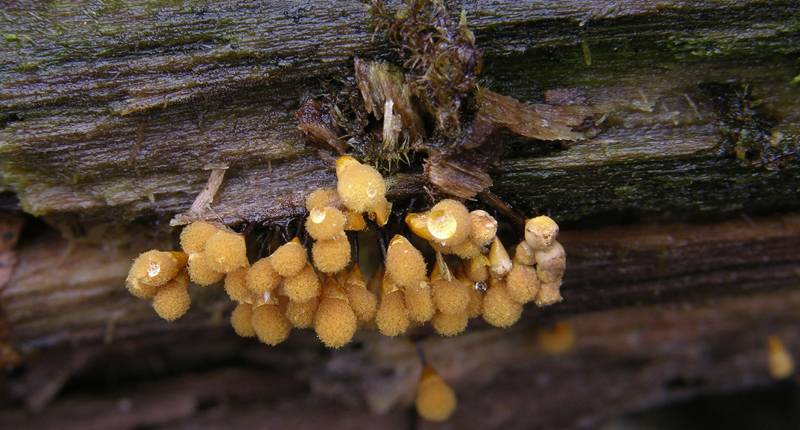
x=747 y=129
x=424 y=108
x=440 y=54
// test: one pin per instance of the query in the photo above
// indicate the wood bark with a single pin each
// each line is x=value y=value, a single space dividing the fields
x=115 y=111
x=682 y=259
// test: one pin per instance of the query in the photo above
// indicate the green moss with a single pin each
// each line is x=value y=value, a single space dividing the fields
x=27 y=65
x=439 y=54
x=746 y=127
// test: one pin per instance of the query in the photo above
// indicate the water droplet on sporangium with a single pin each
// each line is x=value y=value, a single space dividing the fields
x=153 y=269
x=317 y=216
x=372 y=192
x=442 y=225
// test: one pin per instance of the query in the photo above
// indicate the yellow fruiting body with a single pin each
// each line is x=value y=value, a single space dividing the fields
x=449 y=222
x=392 y=318
x=226 y=251
x=467 y=249
x=557 y=340
x=200 y=272
x=404 y=263
x=301 y=315
x=522 y=283
x=363 y=301
x=355 y=277
x=380 y=212
x=172 y=301
x=418 y=224
x=477 y=269
x=335 y=322
x=236 y=285
x=450 y=297
x=289 y=258
x=361 y=188
x=484 y=228
x=450 y=325
x=261 y=277
x=499 y=309
x=322 y=197
x=156 y=268
x=540 y=232
x=180 y=258
x=303 y=286
x=475 y=306
x=240 y=320
x=780 y=361
x=435 y=400
x=332 y=255
x=549 y=293
x=499 y=262
x=550 y=262
x=182 y=278
x=195 y=235
x=284 y=290
x=325 y=223
x=442 y=249
x=419 y=302
x=270 y=324
x=344 y=162
x=142 y=291
x=341 y=276
x=524 y=254
x=354 y=221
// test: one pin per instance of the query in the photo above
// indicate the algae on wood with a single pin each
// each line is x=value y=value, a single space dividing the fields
x=114 y=111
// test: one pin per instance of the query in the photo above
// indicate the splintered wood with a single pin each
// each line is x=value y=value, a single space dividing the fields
x=461 y=170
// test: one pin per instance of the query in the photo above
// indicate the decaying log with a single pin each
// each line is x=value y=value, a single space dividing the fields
x=676 y=300
x=682 y=258
x=503 y=378
x=114 y=112
x=62 y=292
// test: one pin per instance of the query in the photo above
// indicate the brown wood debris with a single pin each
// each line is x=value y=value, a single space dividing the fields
x=379 y=84
x=318 y=131
x=461 y=170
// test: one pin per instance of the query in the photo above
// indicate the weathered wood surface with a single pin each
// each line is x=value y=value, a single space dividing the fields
x=62 y=291
x=661 y=311
x=623 y=359
x=113 y=111
x=110 y=111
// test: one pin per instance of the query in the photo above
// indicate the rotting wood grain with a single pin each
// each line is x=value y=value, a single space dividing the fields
x=111 y=113
x=62 y=292
x=503 y=378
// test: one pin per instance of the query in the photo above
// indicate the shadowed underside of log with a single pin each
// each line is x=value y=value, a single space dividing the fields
x=650 y=305
x=62 y=291
x=503 y=378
